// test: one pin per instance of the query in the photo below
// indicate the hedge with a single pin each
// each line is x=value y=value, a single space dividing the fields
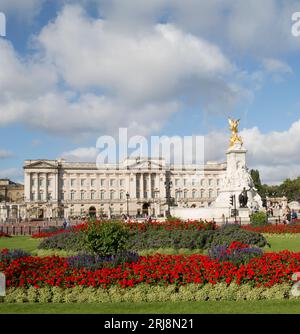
x=147 y=293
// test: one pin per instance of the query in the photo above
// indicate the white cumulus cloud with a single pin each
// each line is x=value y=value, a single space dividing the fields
x=86 y=76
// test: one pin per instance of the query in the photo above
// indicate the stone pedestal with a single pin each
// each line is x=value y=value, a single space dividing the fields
x=237 y=178
x=244 y=215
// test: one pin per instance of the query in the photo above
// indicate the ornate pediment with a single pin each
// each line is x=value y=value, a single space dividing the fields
x=144 y=164
x=40 y=164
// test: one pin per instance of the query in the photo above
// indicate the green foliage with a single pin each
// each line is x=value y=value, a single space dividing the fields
x=256 y=179
x=172 y=219
x=258 y=219
x=147 y=293
x=289 y=188
x=106 y=238
x=71 y=241
x=51 y=252
x=111 y=238
x=169 y=238
x=229 y=233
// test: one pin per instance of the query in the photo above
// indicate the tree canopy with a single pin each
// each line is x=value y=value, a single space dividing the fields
x=289 y=187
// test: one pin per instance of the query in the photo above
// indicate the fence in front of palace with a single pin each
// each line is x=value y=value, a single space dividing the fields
x=31 y=228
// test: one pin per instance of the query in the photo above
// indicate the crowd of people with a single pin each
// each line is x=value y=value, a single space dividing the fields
x=289 y=216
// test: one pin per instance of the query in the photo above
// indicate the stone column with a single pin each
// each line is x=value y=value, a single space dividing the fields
x=132 y=185
x=162 y=188
x=46 y=187
x=27 y=186
x=149 y=186
x=142 y=195
x=55 y=194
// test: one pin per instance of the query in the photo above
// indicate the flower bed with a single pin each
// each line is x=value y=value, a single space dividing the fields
x=154 y=237
x=163 y=270
x=50 y=233
x=236 y=252
x=274 y=228
x=152 y=225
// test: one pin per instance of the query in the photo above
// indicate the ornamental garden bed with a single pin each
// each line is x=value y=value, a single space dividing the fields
x=148 y=279
x=105 y=265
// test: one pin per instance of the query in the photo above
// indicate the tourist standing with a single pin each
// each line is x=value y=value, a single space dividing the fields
x=294 y=215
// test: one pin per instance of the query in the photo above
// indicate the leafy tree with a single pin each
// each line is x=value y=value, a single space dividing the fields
x=289 y=188
x=256 y=179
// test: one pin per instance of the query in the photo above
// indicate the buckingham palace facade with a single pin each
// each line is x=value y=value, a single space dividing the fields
x=136 y=186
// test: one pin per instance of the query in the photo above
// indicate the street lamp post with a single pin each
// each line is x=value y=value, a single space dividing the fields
x=127 y=200
x=156 y=200
x=267 y=194
x=168 y=185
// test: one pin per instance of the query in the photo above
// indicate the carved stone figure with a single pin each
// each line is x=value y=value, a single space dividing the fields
x=243 y=198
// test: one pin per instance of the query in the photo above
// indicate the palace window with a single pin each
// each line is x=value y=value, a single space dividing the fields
x=93 y=195
x=102 y=182
x=176 y=182
x=122 y=183
x=72 y=197
x=82 y=197
x=112 y=194
x=202 y=193
x=210 y=182
x=73 y=182
x=122 y=195
x=93 y=182
x=210 y=193
x=112 y=182
x=62 y=195
x=82 y=182
x=194 y=194
x=102 y=195
x=185 y=194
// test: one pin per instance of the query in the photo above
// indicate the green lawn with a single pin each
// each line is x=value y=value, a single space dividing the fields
x=283 y=242
x=246 y=307
x=22 y=242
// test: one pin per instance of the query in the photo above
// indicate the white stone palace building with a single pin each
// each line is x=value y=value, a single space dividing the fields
x=138 y=186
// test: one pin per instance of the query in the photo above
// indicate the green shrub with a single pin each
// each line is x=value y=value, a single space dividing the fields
x=258 y=219
x=106 y=238
x=69 y=241
x=229 y=233
x=111 y=237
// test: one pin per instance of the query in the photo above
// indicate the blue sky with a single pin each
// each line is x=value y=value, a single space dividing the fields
x=71 y=71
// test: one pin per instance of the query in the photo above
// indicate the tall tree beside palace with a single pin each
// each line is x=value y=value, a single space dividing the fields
x=289 y=188
x=256 y=179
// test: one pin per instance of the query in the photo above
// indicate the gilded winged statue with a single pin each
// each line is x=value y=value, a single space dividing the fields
x=235 y=138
